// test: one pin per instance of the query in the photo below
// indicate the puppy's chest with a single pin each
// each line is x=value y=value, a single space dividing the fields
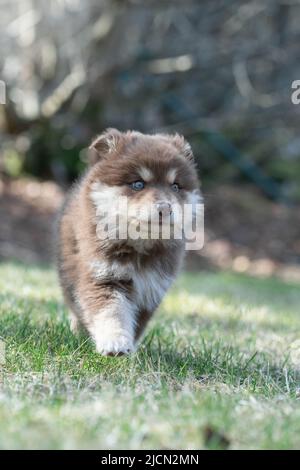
x=149 y=287
x=148 y=284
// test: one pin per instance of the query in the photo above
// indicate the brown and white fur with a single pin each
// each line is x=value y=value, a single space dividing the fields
x=112 y=287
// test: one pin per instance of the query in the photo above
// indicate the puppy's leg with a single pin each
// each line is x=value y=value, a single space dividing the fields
x=110 y=319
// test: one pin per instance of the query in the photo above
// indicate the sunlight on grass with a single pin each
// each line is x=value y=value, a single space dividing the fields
x=219 y=352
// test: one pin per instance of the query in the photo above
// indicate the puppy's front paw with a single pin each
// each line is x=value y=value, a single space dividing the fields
x=115 y=346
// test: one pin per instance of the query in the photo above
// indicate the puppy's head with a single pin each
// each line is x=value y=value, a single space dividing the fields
x=156 y=173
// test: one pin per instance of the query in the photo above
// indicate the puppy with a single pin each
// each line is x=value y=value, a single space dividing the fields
x=112 y=281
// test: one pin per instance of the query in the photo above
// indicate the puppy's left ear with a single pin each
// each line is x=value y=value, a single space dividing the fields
x=105 y=144
x=183 y=146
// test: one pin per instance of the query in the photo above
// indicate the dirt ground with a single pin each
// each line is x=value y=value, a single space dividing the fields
x=244 y=231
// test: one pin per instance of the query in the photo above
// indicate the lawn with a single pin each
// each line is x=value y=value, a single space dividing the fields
x=219 y=367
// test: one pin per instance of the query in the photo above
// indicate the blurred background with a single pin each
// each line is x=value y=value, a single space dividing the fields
x=219 y=72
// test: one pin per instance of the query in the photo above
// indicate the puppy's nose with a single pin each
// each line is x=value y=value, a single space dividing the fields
x=163 y=208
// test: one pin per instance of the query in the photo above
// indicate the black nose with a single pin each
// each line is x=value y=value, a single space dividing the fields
x=163 y=208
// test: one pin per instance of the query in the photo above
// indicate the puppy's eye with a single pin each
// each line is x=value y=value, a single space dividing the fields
x=137 y=185
x=175 y=187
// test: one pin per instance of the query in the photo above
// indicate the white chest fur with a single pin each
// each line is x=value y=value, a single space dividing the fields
x=149 y=285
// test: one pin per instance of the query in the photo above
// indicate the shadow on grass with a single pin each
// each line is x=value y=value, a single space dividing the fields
x=39 y=339
x=215 y=362
x=41 y=347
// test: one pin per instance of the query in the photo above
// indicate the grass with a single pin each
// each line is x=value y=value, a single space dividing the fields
x=218 y=367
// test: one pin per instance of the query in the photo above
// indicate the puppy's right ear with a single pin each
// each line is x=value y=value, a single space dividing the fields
x=103 y=145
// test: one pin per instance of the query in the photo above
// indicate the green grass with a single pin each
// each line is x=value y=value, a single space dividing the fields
x=219 y=358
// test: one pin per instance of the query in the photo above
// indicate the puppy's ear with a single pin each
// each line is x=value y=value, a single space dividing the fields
x=104 y=144
x=183 y=146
